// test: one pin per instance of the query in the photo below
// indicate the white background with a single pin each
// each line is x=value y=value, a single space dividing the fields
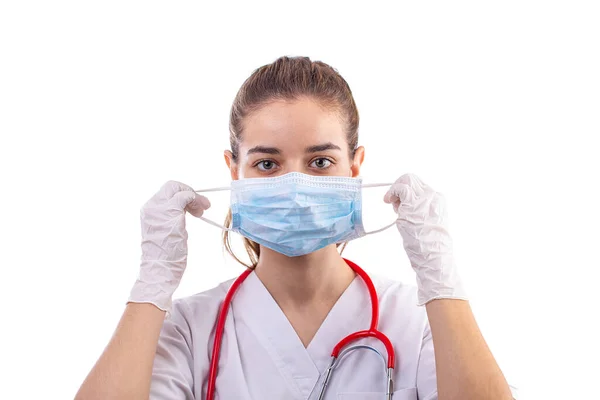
x=494 y=104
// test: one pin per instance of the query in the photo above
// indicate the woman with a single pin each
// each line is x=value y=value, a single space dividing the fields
x=295 y=120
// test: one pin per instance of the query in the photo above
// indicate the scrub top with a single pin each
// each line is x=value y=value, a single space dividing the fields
x=262 y=357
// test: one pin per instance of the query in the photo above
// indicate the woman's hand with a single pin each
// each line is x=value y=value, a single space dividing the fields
x=164 y=243
x=422 y=222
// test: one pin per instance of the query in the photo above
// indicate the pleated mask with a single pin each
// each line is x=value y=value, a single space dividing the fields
x=296 y=214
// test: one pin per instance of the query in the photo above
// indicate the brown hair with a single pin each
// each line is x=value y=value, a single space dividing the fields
x=289 y=78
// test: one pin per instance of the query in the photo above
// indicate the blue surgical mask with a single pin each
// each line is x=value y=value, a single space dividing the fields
x=296 y=214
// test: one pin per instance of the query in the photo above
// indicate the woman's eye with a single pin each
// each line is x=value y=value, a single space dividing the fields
x=321 y=163
x=265 y=165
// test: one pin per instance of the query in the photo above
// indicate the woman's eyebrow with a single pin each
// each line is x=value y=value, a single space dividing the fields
x=322 y=147
x=263 y=149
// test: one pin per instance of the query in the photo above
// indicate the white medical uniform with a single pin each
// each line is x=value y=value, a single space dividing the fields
x=262 y=357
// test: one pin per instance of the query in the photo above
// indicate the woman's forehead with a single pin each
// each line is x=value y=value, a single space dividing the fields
x=301 y=123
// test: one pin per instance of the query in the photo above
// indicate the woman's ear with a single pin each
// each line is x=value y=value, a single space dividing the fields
x=231 y=164
x=359 y=156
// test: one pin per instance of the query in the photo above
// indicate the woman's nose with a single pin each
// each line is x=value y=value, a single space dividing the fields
x=298 y=166
x=293 y=165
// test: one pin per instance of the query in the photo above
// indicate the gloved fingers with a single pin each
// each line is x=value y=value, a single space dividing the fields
x=406 y=190
x=396 y=206
x=393 y=197
x=166 y=193
x=183 y=196
x=415 y=183
x=400 y=195
x=170 y=188
x=192 y=202
x=398 y=192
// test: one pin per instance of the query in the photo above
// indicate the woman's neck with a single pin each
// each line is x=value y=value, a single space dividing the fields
x=299 y=282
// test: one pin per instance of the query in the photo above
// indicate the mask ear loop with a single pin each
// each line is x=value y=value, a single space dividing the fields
x=208 y=221
x=381 y=229
x=216 y=224
x=370 y=185
x=219 y=189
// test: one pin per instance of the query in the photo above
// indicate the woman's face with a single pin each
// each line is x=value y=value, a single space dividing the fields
x=297 y=136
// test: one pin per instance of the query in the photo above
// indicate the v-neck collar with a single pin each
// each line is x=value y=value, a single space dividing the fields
x=299 y=366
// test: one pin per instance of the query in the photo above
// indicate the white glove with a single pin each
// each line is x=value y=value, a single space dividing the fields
x=164 y=243
x=422 y=222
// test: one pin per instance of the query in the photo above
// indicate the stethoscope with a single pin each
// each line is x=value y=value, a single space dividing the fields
x=337 y=352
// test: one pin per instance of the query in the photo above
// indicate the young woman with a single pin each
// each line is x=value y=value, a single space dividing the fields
x=294 y=126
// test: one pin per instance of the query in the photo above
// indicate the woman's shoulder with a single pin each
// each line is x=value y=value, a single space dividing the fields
x=399 y=299
x=393 y=289
x=205 y=303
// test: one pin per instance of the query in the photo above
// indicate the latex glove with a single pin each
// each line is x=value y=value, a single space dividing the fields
x=422 y=223
x=164 y=243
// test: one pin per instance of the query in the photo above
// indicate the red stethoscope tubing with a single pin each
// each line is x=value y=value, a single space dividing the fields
x=371 y=332
x=212 y=376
